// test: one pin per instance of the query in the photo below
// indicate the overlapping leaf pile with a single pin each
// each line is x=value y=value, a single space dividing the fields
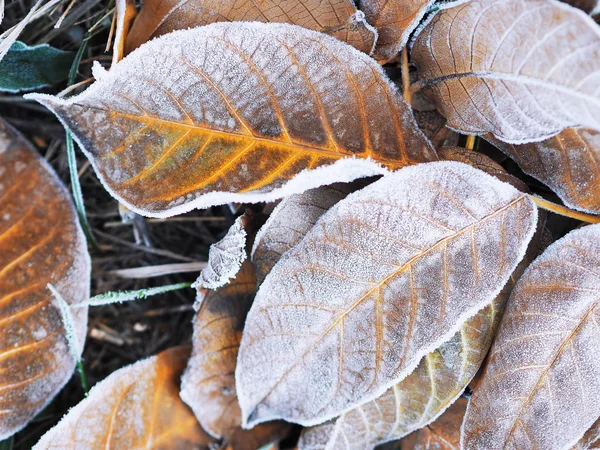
x=365 y=306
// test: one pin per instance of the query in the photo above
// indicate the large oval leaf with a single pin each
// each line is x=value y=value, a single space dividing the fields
x=568 y=163
x=337 y=18
x=41 y=243
x=173 y=127
x=341 y=317
x=136 y=407
x=420 y=398
x=540 y=388
x=488 y=72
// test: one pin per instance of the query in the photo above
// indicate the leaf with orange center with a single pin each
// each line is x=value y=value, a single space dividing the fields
x=136 y=407
x=177 y=125
x=208 y=384
x=41 y=243
x=338 y=18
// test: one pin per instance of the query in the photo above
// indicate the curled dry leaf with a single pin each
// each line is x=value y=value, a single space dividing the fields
x=291 y=220
x=540 y=388
x=443 y=434
x=489 y=73
x=40 y=243
x=354 y=302
x=338 y=18
x=420 y=398
x=175 y=125
x=126 y=12
x=568 y=163
x=208 y=383
x=136 y=407
x=225 y=257
x=394 y=20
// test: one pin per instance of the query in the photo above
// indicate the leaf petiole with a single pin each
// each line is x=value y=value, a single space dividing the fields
x=563 y=210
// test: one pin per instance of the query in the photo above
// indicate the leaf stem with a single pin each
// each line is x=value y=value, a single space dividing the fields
x=564 y=211
x=406 y=92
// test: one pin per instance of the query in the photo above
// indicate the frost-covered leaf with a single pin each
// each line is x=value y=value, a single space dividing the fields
x=291 y=220
x=225 y=257
x=40 y=243
x=491 y=66
x=25 y=68
x=568 y=163
x=136 y=407
x=443 y=434
x=591 y=438
x=126 y=13
x=208 y=384
x=349 y=311
x=394 y=20
x=540 y=388
x=177 y=125
x=420 y=398
x=338 y=18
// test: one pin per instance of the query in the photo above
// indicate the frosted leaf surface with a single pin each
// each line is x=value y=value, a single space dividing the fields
x=208 y=384
x=255 y=113
x=540 y=388
x=338 y=18
x=591 y=438
x=135 y=407
x=420 y=398
x=291 y=220
x=226 y=256
x=40 y=243
x=394 y=20
x=568 y=163
x=348 y=312
x=491 y=66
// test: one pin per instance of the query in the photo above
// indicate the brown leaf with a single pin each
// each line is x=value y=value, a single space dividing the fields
x=136 y=407
x=585 y=5
x=167 y=131
x=126 y=12
x=40 y=243
x=591 y=438
x=208 y=384
x=488 y=72
x=443 y=434
x=340 y=317
x=394 y=20
x=421 y=397
x=540 y=388
x=338 y=18
x=568 y=163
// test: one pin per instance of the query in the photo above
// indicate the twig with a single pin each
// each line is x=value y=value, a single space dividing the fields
x=406 y=77
x=158 y=270
x=564 y=211
x=470 y=144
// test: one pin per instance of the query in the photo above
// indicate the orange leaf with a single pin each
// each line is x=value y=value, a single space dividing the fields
x=136 y=407
x=176 y=125
x=338 y=18
x=126 y=12
x=40 y=243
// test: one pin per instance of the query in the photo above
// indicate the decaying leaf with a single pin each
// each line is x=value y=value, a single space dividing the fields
x=394 y=20
x=591 y=438
x=420 y=398
x=568 y=163
x=225 y=257
x=348 y=312
x=338 y=18
x=136 y=407
x=176 y=125
x=126 y=12
x=540 y=388
x=40 y=243
x=291 y=220
x=208 y=384
x=489 y=73
x=443 y=434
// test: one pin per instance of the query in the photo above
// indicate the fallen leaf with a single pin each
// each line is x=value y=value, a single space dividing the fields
x=568 y=163
x=540 y=388
x=585 y=5
x=126 y=13
x=208 y=384
x=591 y=438
x=420 y=398
x=175 y=127
x=338 y=18
x=394 y=20
x=443 y=434
x=489 y=73
x=136 y=407
x=40 y=243
x=337 y=315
